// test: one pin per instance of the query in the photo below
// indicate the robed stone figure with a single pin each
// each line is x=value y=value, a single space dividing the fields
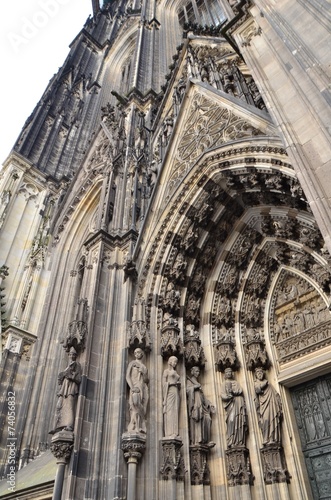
x=199 y=411
x=235 y=409
x=269 y=409
x=137 y=379
x=69 y=381
x=171 y=399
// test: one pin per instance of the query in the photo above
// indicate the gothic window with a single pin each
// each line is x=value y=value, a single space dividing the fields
x=201 y=12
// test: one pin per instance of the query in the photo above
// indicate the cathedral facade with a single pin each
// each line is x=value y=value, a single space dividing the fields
x=165 y=260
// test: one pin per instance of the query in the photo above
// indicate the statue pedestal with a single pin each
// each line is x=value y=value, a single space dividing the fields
x=62 y=444
x=274 y=465
x=238 y=466
x=200 y=473
x=172 y=461
x=133 y=446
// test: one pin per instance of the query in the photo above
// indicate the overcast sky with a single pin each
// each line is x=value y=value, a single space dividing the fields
x=35 y=38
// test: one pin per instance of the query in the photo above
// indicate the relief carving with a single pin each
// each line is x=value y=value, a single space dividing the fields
x=300 y=319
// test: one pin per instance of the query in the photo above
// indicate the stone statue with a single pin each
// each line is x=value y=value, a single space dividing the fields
x=199 y=410
x=137 y=379
x=269 y=409
x=69 y=380
x=235 y=408
x=171 y=398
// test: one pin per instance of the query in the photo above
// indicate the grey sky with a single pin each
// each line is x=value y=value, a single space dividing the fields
x=35 y=40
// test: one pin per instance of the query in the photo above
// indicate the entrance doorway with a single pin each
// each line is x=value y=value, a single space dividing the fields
x=312 y=406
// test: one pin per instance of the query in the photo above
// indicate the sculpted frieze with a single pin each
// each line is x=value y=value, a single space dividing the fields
x=300 y=318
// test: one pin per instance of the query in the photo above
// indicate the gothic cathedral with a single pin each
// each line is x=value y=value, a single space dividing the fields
x=165 y=260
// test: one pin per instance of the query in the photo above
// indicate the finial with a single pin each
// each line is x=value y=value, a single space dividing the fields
x=96 y=6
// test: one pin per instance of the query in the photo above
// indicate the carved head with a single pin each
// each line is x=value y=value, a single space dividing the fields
x=172 y=361
x=138 y=353
x=195 y=371
x=259 y=374
x=228 y=373
x=72 y=354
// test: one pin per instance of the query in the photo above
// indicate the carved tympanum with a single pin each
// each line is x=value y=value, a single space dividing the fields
x=300 y=318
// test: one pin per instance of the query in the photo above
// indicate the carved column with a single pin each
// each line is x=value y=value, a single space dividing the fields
x=61 y=446
x=133 y=446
